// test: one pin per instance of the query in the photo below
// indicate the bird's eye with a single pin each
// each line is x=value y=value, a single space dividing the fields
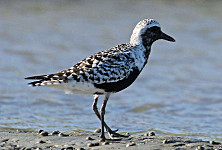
x=154 y=29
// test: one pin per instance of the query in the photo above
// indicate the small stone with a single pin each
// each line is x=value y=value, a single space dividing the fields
x=4 y=140
x=92 y=144
x=44 y=133
x=96 y=144
x=127 y=134
x=39 y=131
x=178 y=145
x=62 y=134
x=97 y=131
x=130 y=144
x=166 y=141
x=69 y=148
x=38 y=148
x=105 y=143
x=55 y=132
x=151 y=133
x=200 y=148
x=89 y=138
x=41 y=142
x=17 y=145
x=214 y=143
x=57 y=145
x=80 y=148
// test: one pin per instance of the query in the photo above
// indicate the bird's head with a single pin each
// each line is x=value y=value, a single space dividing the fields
x=147 y=31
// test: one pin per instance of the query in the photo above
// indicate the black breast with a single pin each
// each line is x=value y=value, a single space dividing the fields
x=121 y=84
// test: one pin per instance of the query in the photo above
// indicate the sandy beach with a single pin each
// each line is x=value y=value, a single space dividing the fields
x=11 y=139
x=177 y=94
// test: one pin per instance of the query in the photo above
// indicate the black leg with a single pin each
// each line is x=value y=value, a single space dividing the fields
x=111 y=133
x=102 y=113
x=95 y=109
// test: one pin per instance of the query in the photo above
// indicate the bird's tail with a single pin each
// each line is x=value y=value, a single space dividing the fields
x=39 y=80
x=51 y=79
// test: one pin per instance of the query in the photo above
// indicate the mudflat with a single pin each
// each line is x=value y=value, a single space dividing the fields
x=12 y=139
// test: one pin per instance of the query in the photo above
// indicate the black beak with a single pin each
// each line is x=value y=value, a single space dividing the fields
x=166 y=37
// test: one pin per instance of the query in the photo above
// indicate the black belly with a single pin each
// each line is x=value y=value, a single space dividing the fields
x=120 y=85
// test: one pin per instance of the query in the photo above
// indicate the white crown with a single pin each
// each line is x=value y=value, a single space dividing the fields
x=140 y=28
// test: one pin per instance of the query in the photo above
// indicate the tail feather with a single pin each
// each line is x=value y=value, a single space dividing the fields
x=49 y=79
x=35 y=83
x=39 y=80
x=37 y=77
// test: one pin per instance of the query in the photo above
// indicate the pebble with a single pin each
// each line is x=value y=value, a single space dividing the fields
x=97 y=131
x=44 y=133
x=80 y=148
x=92 y=144
x=105 y=143
x=57 y=145
x=41 y=142
x=62 y=134
x=39 y=131
x=55 y=132
x=150 y=134
x=130 y=144
x=68 y=148
x=89 y=138
x=166 y=141
x=127 y=134
x=4 y=140
x=214 y=143
x=2 y=144
x=200 y=148
x=178 y=145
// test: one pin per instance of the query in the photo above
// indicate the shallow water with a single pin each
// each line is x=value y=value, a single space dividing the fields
x=178 y=93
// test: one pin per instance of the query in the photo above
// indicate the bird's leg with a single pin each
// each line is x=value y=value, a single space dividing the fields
x=108 y=129
x=95 y=109
x=102 y=113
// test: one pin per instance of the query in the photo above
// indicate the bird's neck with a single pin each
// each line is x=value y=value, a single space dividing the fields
x=146 y=54
x=147 y=45
x=143 y=44
x=141 y=55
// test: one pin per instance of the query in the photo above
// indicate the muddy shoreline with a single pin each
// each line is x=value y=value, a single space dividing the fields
x=12 y=139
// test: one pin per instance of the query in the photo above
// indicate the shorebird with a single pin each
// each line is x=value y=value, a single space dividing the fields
x=108 y=71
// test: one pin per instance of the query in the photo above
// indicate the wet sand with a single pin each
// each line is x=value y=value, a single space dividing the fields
x=11 y=139
x=178 y=92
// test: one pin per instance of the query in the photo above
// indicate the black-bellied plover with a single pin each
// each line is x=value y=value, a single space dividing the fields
x=108 y=71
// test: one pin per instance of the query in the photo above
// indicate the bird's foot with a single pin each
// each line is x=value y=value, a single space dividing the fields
x=113 y=134
x=102 y=139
